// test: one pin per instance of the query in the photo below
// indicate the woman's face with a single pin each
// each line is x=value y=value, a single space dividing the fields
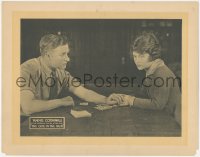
x=142 y=61
x=59 y=57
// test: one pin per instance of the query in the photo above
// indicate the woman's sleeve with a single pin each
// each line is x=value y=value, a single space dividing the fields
x=158 y=96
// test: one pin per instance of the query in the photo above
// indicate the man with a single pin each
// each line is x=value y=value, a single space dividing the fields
x=46 y=77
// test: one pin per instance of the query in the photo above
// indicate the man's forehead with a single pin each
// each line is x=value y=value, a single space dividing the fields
x=62 y=48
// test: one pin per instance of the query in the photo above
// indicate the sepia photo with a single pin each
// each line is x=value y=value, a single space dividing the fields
x=100 y=78
x=127 y=72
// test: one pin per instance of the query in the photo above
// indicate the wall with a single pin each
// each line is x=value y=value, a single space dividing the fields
x=101 y=47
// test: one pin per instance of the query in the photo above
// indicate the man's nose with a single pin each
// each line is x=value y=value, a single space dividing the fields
x=67 y=58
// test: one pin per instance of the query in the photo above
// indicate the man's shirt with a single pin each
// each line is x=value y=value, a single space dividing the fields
x=38 y=78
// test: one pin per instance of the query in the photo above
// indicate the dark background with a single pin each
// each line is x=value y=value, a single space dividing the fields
x=101 y=47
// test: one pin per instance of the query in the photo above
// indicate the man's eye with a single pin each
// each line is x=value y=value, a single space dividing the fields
x=63 y=54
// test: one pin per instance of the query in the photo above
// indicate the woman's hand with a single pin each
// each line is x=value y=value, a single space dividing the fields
x=110 y=101
x=122 y=99
x=118 y=98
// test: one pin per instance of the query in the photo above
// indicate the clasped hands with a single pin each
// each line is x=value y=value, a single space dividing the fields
x=113 y=99
x=121 y=99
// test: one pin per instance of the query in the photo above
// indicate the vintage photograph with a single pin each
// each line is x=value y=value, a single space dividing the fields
x=100 y=77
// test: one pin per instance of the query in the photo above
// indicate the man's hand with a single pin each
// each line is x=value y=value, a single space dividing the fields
x=110 y=101
x=67 y=101
x=122 y=99
x=118 y=98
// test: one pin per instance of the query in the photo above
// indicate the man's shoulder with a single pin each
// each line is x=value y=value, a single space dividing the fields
x=31 y=65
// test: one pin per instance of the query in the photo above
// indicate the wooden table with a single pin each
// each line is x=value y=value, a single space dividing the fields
x=118 y=121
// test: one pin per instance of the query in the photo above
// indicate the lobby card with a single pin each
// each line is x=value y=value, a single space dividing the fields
x=100 y=78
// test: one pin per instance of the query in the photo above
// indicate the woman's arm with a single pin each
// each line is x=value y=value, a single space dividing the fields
x=158 y=97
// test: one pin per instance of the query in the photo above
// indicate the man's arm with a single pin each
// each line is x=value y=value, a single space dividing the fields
x=31 y=105
x=88 y=95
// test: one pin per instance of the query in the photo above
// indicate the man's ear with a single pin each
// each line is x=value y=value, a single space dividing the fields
x=47 y=54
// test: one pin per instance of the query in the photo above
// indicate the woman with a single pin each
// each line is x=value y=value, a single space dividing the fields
x=160 y=83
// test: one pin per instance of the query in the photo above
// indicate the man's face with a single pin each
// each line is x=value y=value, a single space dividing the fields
x=59 y=56
x=142 y=61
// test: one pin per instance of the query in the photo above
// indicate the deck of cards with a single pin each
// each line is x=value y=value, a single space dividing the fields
x=80 y=114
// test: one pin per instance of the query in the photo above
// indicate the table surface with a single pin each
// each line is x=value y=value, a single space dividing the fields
x=118 y=121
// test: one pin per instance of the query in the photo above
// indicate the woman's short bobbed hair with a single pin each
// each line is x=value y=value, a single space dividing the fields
x=147 y=42
x=52 y=41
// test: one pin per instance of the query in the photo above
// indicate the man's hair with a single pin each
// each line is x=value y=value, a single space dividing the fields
x=147 y=42
x=51 y=41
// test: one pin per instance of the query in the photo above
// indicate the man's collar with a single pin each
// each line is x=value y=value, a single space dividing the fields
x=44 y=67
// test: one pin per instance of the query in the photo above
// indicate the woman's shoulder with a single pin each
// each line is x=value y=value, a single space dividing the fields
x=164 y=71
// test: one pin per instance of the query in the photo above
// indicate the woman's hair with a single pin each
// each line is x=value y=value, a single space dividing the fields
x=147 y=42
x=51 y=41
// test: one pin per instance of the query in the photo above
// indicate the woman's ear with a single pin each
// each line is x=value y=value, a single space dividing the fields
x=151 y=58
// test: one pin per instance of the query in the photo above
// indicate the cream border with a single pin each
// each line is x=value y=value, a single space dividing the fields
x=127 y=145
x=81 y=140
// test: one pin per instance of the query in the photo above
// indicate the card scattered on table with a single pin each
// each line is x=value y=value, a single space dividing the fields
x=80 y=114
x=83 y=104
x=104 y=107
